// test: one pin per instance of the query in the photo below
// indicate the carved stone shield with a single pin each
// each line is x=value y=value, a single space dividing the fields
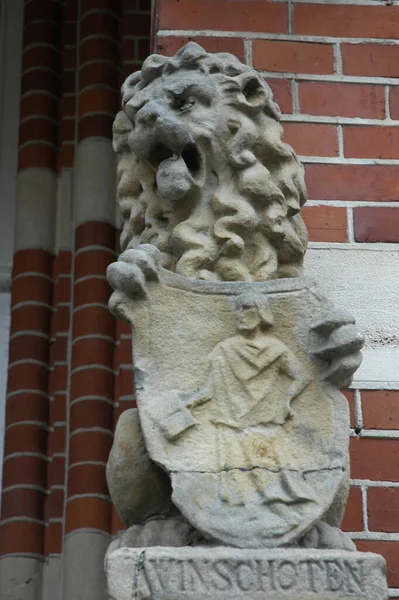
x=255 y=443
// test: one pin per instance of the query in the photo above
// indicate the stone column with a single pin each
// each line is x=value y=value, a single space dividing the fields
x=60 y=341
x=24 y=475
x=135 y=46
x=88 y=509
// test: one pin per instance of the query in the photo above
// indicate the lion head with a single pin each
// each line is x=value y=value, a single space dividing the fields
x=203 y=172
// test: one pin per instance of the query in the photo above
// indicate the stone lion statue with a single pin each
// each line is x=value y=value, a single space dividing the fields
x=207 y=190
x=203 y=173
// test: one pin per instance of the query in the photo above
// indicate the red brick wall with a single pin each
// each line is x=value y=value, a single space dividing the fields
x=334 y=70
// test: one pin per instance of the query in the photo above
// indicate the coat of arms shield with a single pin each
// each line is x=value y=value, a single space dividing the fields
x=234 y=407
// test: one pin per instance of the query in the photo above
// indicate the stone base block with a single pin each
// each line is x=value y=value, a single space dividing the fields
x=221 y=573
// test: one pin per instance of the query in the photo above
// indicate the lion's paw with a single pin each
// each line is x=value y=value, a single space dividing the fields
x=129 y=275
x=170 y=531
x=325 y=537
x=338 y=342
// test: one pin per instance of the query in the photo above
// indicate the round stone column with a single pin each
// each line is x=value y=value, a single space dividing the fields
x=25 y=458
x=88 y=507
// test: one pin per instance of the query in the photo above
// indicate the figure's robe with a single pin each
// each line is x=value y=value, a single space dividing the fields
x=250 y=380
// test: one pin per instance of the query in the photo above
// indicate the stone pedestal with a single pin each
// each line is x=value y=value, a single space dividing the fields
x=220 y=573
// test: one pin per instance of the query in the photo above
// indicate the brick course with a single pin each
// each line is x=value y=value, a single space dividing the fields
x=383 y=509
x=371 y=60
x=312 y=139
x=374 y=183
x=376 y=224
x=394 y=103
x=353 y=519
x=326 y=223
x=347 y=21
x=376 y=459
x=170 y=45
x=293 y=57
x=380 y=409
x=360 y=100
x=371 y=142
x=252 y=15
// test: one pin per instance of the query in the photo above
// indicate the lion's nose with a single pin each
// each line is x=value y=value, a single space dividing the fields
x=156 y=127
x=150 y=113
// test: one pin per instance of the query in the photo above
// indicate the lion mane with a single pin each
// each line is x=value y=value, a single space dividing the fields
x=226 y=207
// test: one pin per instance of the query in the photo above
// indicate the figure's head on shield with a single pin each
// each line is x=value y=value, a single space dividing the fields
x=253 y=311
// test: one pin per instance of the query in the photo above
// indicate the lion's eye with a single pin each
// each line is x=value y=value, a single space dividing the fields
x=252 y=91
x=182 y=103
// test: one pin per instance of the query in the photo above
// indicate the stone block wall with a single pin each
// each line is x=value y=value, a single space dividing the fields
x=334 y=70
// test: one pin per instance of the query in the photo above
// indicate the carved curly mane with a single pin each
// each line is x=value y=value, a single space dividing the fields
x=203 y=172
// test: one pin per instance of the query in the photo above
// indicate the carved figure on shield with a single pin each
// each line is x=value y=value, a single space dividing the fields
x=255 y=377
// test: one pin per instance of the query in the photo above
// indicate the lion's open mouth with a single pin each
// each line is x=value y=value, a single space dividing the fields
x=190 y=155
x=177 y=173
x=192 y=158
x=159 y=154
